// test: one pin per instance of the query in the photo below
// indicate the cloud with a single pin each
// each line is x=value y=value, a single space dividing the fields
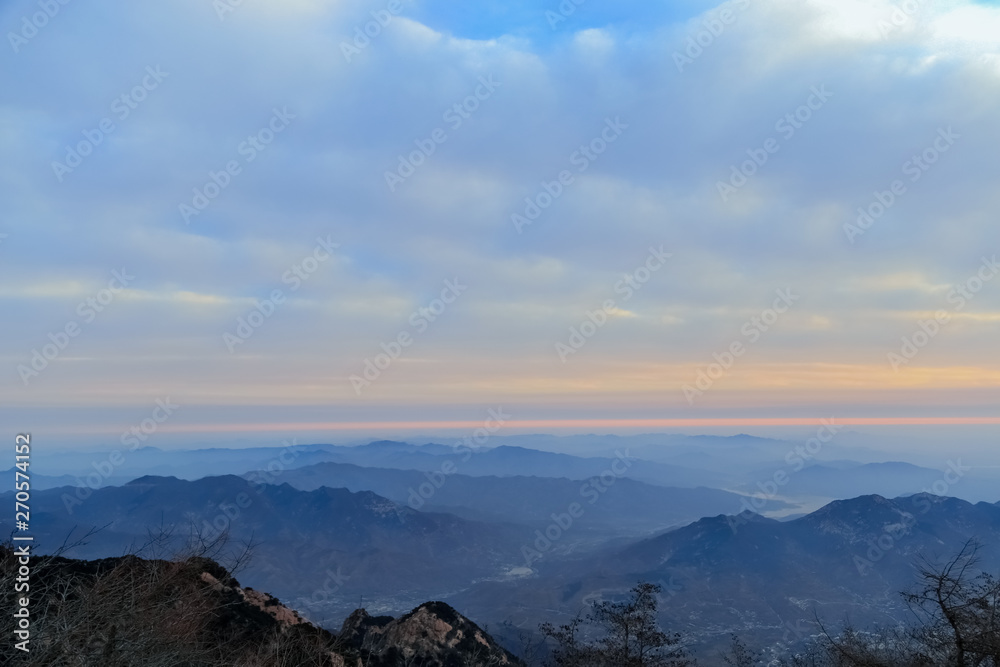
x=897 y=81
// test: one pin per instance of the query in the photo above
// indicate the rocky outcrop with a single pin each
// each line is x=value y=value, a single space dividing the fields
x=432 y=635
x=132 y=611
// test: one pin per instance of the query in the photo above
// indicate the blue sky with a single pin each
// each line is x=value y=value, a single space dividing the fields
x=687 y=115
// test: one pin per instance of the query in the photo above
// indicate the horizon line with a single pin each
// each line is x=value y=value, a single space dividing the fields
x=580 y=423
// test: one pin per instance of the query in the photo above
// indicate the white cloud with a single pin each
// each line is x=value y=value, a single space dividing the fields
x=325 y=175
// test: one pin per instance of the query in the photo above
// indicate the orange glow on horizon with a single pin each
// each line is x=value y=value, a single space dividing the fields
x=706 y=422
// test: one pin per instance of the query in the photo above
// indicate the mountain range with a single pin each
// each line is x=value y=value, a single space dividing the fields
x=612 y=505
x=339 y=544
x=514 y=537
x=768 y=579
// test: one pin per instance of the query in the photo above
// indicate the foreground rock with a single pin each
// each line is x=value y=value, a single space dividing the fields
x=118 y=612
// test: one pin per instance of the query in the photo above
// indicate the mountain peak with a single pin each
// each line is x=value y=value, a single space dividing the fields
x=153 y=480
x=389 y=444
x=217 y=614
x=433 y=634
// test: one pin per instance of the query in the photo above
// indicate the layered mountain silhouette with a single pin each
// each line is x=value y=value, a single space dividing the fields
x=320 y=547
x=323 y=548
x=736 y=463
x=758 y=576
x=613 y=505
x=507 y=460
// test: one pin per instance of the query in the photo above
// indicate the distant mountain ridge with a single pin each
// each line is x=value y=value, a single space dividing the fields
x=722 y=574
x=616 y=505
x=339 y=544
x=740 y=463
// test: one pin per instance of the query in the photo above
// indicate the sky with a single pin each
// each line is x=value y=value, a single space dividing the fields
x=612 y=212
